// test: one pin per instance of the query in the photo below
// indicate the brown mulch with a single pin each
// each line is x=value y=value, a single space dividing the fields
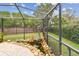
x=42 y=50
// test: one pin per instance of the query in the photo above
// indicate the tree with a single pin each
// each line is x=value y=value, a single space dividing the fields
x=42 y=9
x=69 y=13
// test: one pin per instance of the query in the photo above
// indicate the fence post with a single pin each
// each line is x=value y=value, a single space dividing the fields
x=60 y=31
x=69 y=51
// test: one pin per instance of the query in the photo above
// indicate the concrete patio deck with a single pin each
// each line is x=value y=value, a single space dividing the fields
x=8 y=49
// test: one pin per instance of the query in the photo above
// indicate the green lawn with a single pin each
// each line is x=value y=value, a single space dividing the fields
x=18 y=36
x=28 y=35
x=75 y=45
x=54 y=43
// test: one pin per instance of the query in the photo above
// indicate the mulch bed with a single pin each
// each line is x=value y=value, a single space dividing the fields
x=43 y=49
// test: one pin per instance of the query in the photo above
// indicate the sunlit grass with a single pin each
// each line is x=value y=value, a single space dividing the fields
x=15 y=37
x=75 y=45
x=64 y=48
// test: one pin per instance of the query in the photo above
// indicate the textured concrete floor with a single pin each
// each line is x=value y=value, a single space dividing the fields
x=8 y=49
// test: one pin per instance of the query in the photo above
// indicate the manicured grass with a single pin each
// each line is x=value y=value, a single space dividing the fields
x=75 y=45
x=19 y=36
x=64 y=48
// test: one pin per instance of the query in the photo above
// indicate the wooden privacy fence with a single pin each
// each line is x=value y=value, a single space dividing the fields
x=20 y=30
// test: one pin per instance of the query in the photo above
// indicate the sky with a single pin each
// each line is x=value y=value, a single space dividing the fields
x=73 y=6
x=14 y=9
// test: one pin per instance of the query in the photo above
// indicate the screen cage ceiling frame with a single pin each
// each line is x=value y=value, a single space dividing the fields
x=45 y=22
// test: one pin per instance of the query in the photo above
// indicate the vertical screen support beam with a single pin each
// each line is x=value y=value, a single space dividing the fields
x=43 y=27
x=2 y=30
x=47 y=30
x=23 y=19
x=60 y=31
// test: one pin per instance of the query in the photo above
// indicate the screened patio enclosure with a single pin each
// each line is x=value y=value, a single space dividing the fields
x=18 y=22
